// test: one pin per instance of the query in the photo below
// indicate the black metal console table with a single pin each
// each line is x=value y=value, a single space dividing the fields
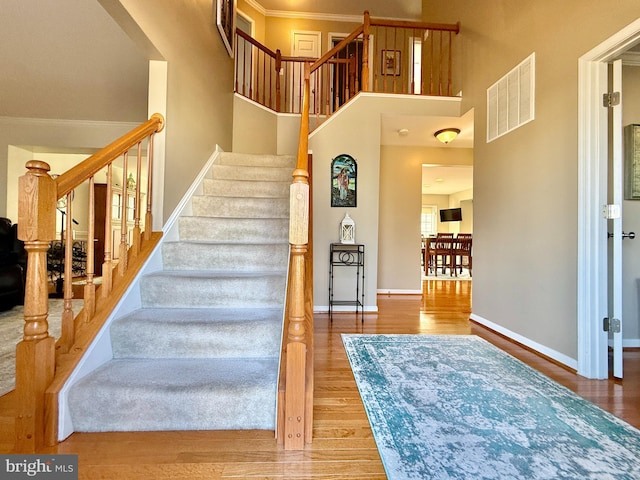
x=347 y=255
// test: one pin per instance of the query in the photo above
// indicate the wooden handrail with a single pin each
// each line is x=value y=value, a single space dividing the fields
x=444 y=27
x=343 y=43
x=96 y=162
x=43 y=365
x=255 y=43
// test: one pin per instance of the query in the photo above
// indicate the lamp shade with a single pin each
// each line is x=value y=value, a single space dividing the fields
x=447 y=134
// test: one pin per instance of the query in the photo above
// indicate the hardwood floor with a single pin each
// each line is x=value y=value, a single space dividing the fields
x=343 y=445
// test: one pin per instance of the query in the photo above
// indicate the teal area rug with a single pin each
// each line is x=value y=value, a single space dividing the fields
x=456 y=407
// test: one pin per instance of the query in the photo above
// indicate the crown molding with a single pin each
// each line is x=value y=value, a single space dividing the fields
x=312 y=16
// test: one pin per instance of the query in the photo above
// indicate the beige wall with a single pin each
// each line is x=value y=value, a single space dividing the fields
x=401 y=202
x=399 y=230
x=278 y=34
x=59 y=87
x=200 y=86
x=258 y=19
x=356 y=134
x=525 y=183
x=631 y=219
x=258 y=130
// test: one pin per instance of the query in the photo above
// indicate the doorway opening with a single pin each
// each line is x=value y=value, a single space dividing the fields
x=593 y=144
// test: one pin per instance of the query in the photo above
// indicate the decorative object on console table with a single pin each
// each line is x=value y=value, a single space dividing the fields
x=226 y=21
x=344 y=181
x=347 y=230
x=347 y=255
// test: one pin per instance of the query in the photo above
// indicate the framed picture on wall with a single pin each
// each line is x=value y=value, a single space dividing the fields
x=344 y=181
x=226 y=21
x=390 y=63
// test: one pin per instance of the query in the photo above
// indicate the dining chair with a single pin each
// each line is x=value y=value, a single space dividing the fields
x=443 y=250
x=463 y=249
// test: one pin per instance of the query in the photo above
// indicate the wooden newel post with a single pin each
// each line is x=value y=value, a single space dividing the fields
x=365 y=51
x=35 y=354
x=296 y=366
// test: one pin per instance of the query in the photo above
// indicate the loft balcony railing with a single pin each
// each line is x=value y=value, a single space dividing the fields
x=379 y=56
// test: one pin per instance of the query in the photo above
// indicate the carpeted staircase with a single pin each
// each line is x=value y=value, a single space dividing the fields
x=203 y=352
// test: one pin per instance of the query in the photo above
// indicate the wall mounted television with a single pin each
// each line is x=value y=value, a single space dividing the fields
x=451 y=215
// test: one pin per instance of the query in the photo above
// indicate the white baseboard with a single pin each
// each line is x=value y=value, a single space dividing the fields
x=546 y=351
x=631 y=343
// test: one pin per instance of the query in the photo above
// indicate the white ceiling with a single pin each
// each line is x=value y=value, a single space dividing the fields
x=421 y=130
x=436 y=179
x=446 y=179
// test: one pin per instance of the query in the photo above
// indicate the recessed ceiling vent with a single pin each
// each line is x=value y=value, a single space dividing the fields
x=511 y=100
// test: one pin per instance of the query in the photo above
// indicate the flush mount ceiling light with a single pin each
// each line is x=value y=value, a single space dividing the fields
x=403 y=132
x=447 y=134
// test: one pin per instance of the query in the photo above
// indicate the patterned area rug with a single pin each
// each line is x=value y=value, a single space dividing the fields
x=456 y=407
x=11 y=328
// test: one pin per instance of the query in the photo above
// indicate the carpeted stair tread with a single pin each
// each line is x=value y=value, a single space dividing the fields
x=251 y=159
x=197 y=288
x=229 y=256
x=256 y=188
x=177 y=394
x=222 y=229
x=245 y=173
x=197 y=333
x=203 y=351
x=240 y=207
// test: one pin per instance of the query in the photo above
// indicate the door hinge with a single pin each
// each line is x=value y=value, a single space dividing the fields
x=613 y=325
x=611 y=99
x=616 y=325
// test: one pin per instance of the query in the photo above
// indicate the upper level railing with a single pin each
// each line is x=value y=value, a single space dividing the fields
x=42 y=363
x=380 y=56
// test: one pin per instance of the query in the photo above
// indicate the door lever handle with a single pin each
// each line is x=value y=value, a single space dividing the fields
x=630 y=235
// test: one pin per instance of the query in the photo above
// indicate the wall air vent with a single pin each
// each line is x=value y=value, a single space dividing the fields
x=511 y=100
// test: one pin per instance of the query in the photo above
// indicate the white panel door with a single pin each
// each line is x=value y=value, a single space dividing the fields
x=305 y=44
x=615 y=226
